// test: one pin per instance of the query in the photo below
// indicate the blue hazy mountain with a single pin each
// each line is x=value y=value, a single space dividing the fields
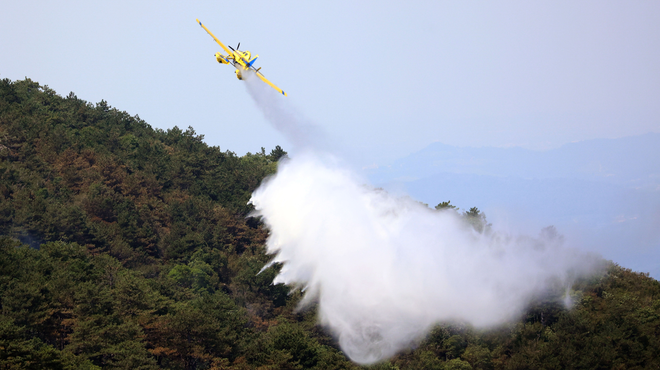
x=603 y=194
x=631 y=161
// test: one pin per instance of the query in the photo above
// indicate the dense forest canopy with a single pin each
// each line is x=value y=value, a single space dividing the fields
x=124 y=246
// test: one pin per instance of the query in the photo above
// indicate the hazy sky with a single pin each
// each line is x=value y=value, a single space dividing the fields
x=386 y=79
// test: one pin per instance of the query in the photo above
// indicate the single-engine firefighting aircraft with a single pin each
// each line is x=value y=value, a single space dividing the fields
x=241 y=60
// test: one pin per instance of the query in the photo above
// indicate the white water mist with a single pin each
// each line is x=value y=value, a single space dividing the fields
x=385 y=269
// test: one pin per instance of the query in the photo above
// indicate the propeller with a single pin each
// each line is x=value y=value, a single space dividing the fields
x=238 y=46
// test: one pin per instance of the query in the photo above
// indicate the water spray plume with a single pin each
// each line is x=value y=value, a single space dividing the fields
x=298 y=130
x=385 y=269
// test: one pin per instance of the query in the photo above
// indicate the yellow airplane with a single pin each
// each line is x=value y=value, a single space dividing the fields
x=241 y=60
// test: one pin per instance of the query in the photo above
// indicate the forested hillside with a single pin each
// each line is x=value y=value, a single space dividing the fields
x=124 y=246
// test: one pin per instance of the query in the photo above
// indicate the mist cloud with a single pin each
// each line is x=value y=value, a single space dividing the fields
x=385 y=269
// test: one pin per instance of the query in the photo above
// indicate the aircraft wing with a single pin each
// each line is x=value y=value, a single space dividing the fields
x=214 y=38
x=269 y=83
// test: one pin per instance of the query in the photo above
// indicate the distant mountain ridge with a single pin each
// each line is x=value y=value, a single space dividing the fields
x=631 y=161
